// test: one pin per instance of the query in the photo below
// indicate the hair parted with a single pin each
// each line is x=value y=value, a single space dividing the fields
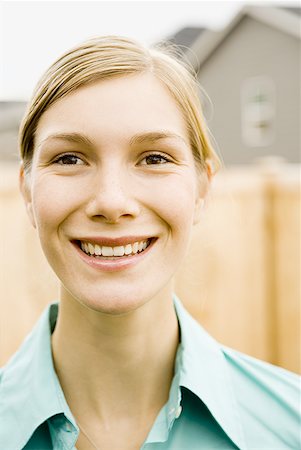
x=110 y=56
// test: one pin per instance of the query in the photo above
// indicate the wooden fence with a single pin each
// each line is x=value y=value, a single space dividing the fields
x=241 y=277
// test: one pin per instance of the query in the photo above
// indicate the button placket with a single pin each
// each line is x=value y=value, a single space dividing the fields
x=178 y=411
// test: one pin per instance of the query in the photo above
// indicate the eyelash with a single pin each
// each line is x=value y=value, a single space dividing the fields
x=157 y=155
x=66 y=155
x=164 y=158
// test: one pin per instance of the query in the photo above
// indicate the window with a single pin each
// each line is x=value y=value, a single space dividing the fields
x=258 y=111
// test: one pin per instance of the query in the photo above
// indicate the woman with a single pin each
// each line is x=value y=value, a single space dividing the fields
x=116 y=163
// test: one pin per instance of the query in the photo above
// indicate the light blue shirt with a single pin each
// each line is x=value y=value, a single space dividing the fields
x=219 y=398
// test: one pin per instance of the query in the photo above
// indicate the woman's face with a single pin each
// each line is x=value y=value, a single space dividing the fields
x=113 y=173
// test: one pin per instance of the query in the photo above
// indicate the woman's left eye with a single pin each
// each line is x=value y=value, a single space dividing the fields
x=68 y=160
x=154 y=159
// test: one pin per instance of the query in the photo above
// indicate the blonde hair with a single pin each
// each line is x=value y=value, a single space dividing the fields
x=107 y=57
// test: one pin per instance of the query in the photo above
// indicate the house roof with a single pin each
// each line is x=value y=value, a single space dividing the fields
x=11 y=113
x=294 y=10
x=286 y=20
x=186 y=36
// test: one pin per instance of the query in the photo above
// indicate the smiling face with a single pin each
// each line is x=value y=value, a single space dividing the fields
x=114 y=192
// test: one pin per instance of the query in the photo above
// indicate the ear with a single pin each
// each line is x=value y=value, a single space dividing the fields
x=203 y=181
x=24 y=186
x=198 y=210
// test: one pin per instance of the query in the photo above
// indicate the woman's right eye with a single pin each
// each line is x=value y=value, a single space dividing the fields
x=68 y=160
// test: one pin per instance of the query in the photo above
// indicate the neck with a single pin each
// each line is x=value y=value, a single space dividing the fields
x=112 y=366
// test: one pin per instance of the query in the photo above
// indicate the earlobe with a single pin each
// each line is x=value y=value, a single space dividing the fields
x=198 y=210
x=26 y=194
x=203 y=185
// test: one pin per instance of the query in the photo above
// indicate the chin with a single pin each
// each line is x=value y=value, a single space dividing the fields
x=117 y=298
x=114 y=307
x=113 y=304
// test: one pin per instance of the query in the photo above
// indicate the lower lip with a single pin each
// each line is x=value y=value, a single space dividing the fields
x=113 y=265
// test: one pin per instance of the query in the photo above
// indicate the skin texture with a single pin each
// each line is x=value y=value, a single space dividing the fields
x=117 y=334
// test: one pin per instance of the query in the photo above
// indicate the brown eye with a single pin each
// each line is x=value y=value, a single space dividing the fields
x=155 y=159
x=68 y=160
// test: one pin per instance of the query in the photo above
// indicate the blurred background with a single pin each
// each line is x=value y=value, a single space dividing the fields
x=241 y=277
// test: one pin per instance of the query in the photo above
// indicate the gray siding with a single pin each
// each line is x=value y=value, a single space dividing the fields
x=254 y=49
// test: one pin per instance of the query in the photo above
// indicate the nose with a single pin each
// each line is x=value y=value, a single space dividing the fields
x=112 y=196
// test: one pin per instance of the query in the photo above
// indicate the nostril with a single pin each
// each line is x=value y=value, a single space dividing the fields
x=112 y=212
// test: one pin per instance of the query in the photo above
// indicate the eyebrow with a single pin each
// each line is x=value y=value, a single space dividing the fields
x=74 y=138
x=140 y=138
x=154 y=136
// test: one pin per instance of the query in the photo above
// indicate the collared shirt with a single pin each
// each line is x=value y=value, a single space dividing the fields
x=219 y=398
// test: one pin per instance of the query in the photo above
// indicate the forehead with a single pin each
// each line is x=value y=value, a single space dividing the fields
x=118 y=107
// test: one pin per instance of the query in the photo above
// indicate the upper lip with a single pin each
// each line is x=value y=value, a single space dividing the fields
x=113 y=242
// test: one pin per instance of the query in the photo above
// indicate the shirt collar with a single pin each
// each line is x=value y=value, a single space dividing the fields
x=169 y=412
x=204 y=372
x=29 y=389
x=201 y=368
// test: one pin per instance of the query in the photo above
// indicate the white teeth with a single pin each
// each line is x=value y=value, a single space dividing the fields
x=135 y=247
x=128 y=249
x=120 y=250
x=91 y=249
x=97 y=250
x=107 y=251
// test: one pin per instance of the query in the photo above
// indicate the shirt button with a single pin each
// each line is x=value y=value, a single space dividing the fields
x=178 y=412
x=68 y=427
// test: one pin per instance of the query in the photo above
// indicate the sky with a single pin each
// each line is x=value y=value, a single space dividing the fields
x=34 y=33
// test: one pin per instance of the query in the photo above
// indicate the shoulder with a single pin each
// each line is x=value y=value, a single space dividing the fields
x=260 y=375
x=255 y=402
x=28 y=388
x=15 y=397
x=268 y=399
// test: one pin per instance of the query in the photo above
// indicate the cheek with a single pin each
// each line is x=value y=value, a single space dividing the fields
x=175 y=202
x=53 y=201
